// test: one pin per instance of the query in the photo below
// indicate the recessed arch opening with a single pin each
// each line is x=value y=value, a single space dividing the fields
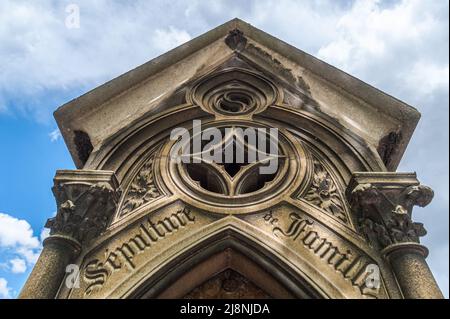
x=224 y=252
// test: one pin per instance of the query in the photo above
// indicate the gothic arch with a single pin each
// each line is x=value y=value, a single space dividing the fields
x=305 y=121
x=223 y=251
x=297 y=273
x=138 y=154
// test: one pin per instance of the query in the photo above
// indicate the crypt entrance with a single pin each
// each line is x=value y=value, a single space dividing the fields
x=312 y=209
x=228 y=267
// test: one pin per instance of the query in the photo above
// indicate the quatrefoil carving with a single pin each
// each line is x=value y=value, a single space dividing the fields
x=234 y=166
x=244 y=183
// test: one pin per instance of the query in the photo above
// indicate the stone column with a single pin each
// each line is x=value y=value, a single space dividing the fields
x=383 y=203
x=86 y=202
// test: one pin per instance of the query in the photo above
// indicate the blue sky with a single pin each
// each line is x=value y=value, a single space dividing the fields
x=398 y=46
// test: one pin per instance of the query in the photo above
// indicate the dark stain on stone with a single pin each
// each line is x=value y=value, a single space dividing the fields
x=302 y=84
x=293 y=100
x=300 y=101
x=177 y=98
x=237 y=61
x=260 y=53
x=286 y=73
x=236 y=40
x=388 y=145
x=83 y=145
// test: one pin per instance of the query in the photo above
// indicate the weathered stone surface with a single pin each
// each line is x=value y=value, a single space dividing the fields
x=86 y=202
x=334 y=258
x=383 y=202
x=137 y=223
x=45 y=279
x=126 y=253
x=412 y=272
x=359 y=107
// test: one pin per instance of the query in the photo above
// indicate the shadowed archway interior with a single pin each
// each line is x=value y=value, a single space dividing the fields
x=227 y=266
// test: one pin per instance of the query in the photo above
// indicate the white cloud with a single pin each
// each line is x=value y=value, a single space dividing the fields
x=428 y=77
x=5 y=291
x=17 y=237
x=55 y=135
x=400 y=46
x=18 y=265
x=16 y=232
x=166 y=39
x=44 y=55
x=360 y=37
x=44 y=234
x=19 y=251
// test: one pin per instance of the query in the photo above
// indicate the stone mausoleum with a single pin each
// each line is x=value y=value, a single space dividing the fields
x=334 y=220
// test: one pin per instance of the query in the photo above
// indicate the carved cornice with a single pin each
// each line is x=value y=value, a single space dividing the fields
x=383 y=204
x=86 y=202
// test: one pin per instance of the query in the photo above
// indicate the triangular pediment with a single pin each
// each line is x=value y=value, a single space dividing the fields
x=306 y=83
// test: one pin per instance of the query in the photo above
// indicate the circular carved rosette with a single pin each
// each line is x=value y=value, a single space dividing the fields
x=250 y=168
x=234 y=92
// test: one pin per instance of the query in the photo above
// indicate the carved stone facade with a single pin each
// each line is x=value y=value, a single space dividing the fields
x=331 y=220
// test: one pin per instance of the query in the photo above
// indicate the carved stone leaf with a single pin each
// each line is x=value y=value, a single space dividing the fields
x=386 y=219
x=84 y=210
x=398 y=229
x=142 y=190
x=324 y=194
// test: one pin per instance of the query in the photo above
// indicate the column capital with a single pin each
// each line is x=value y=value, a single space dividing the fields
x=86 y=201
x=383 y=203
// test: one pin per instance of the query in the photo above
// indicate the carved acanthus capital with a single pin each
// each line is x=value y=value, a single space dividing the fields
x=86 y=202
x=383 y=203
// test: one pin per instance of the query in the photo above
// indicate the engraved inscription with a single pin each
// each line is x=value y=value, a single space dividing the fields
x=349 y=264
x=97 y=272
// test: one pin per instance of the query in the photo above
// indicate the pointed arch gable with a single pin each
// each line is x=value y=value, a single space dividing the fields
x=231 y=232
x=130 y=154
